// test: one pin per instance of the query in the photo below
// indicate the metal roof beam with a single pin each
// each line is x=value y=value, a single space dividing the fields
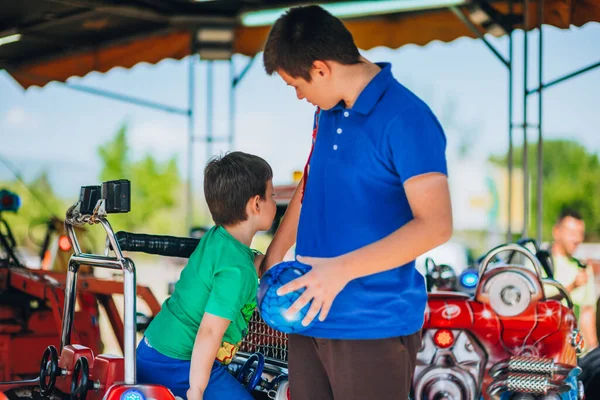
x=238 y=78
x=564 y=78
x=128 y=99
x=480 y=35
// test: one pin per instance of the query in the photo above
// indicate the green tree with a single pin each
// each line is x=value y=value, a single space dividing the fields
x=155 y=188
x=115 y=156
x=571 y=178
x=38 y=205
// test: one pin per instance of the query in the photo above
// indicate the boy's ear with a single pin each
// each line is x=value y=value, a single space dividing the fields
x=257 y=203
x=254 y=205
x=321 y=68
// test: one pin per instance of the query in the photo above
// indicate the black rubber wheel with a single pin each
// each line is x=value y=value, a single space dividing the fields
x=80 y=379
x=48 y=370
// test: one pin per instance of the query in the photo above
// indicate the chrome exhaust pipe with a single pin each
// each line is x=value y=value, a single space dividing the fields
x=527 y=383
x=530 y=365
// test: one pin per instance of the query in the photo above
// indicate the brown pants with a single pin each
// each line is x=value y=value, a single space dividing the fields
x=324 y=369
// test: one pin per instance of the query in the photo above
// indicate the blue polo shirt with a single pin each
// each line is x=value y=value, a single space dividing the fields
x=354 y=196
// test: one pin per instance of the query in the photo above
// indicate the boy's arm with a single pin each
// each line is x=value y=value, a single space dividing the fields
x=286 y=234
x=232 y=285
x=208 y=341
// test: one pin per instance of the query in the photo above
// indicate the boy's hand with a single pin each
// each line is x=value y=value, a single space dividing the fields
x=194 y=394
x=323 y=283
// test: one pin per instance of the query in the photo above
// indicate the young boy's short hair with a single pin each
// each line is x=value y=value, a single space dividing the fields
x=230 y=181
x=304 y=35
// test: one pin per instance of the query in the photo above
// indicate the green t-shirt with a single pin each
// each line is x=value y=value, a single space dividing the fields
x=220 y=279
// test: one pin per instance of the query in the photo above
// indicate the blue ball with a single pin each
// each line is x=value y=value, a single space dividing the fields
x=272 y=306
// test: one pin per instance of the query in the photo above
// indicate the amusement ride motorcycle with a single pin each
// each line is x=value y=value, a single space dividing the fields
x=77 y=371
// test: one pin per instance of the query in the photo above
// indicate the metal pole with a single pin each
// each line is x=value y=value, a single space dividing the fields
x=209 y=109
x=525 y=158
x=509 y=237
x=476 y=31
x=129 y=298
x=127 y=99
x=190 y=166
x=231 y=103
x=565 y=77
x=237 y=79
x=69 y=306
x=540 y=151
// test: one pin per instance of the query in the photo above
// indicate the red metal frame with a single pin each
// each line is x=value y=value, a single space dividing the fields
x=106 y=370
x=68 y=357
x=21 y=349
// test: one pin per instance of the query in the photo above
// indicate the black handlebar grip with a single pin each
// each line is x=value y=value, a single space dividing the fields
x=170 y=246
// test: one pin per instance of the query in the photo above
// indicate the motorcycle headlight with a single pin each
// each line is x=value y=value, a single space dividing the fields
x=509 y=293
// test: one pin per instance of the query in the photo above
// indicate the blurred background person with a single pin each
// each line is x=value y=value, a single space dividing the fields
x=568 y=233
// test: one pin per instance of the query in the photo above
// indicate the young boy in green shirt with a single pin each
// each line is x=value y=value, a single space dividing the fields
x=200 y=327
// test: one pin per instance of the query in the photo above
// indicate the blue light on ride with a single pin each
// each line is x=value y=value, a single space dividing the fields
x=133 y=394
x=469 y=279
x=9 y=201
x=272 y=306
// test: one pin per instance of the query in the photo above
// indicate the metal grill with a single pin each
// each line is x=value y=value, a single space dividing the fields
x=544 y=366
x=263 y=339
x=525 y=383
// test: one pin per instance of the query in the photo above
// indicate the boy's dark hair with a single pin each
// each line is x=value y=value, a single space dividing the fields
x=230 y=181
x=304 y=35
x=569 y=212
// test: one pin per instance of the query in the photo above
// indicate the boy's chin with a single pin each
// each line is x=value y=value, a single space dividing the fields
x=327 y=107
x=264 y=228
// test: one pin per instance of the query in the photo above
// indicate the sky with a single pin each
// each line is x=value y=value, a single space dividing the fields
x=58 y=130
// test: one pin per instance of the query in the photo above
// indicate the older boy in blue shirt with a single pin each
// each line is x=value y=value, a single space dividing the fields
x=374 y=198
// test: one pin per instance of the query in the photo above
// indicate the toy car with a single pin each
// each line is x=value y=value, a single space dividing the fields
x=32 y=301
x=75 y=370
x=505 y=341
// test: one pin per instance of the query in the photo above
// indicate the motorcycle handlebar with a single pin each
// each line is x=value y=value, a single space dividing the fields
x=170 y=246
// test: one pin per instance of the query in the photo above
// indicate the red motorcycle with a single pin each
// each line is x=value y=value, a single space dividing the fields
x=507 y=340
x=75 y=370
